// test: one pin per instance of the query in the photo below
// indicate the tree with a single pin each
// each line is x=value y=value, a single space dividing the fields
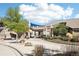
x=10 y=13
x=17 y=16
x=15 y=22
x=60 y=29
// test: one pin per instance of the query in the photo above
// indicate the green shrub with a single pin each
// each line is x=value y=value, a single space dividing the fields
x=46 y=37
x=56 y=37
x=64 y=38
x=55 y=31
x=75 y=39
x=60 y=29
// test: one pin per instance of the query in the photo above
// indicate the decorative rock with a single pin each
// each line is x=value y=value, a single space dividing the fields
x=27 y=44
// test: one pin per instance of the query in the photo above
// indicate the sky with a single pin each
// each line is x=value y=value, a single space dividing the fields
x=43 y=13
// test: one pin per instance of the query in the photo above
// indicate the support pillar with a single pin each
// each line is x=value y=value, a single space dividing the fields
x=29 y=34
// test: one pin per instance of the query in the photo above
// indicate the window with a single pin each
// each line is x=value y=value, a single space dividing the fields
x=76 y=29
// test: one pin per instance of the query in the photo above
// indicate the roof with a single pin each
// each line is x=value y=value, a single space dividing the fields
x=38 y=28
x=73 y=23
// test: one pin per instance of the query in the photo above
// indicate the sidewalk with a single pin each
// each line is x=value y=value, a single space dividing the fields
x=8 y=51
x=36 y=41
x=23 y=49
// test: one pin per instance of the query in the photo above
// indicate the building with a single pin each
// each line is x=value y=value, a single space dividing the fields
x=47 y=30
x=74 y=24
x=38 y=31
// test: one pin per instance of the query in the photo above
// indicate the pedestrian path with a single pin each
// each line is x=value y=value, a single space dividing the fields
x=8 y=51
x=52 y=45
x=20 y=47
x=37 y=41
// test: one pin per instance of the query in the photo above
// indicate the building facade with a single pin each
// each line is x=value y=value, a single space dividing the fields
x=38 y=31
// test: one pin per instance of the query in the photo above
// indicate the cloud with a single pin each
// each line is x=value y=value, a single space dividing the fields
x=26 y=8
x=68 y=12
x=77 y=16
x=42 y=5
x=60 y=11
x=43 y=13
x=56 y=8
x=40 y=20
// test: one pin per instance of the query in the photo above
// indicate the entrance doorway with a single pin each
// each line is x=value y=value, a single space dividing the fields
x=36 y=34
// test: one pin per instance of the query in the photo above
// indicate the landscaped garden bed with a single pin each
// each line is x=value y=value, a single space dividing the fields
x=63 y=34
x=63 y=40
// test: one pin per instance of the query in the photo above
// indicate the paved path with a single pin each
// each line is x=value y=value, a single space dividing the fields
x=36 y=41
x=8 y=51
x=53 y=46
x=20 y=47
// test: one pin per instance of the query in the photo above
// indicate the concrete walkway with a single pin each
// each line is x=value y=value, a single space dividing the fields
x=20 y=47
x=8 y=51
x=53 y=46
x=36 y=41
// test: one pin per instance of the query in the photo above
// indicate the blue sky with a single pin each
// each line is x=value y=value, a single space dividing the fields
x=43 y=13
x=5 y=6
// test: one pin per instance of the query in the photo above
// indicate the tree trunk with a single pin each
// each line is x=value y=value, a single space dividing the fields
x=17 y=37
x=22 y=38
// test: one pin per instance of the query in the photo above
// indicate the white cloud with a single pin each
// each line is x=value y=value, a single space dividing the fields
x=68 y=12
x=63 y=13
x=77 y=16
x=40 y=19
x=26 y=8
x=43 y=12
x=56 y=8
x=42 y=5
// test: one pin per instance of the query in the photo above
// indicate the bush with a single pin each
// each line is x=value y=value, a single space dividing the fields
x=55 y=31
x=39 y=50
x=70 y=53
x=56 y=37
x=46 y=37
x=75 y=39
x=64 y=38
x=61 y=38
x=60 y=29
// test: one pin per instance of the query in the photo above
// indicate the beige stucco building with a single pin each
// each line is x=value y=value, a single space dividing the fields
x=47 y=30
